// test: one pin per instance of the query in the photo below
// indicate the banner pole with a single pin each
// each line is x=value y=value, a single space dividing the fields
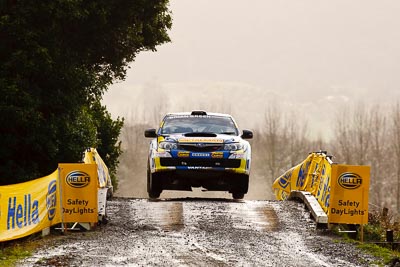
x=61 y=200
x=362 y=233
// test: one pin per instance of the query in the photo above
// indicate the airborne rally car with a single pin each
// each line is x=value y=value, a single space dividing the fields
x=198 y=149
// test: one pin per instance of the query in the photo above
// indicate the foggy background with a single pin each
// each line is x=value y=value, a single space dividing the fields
x=307 y=60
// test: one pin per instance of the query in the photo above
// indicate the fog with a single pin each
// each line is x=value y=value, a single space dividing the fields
x=306 y=55
x=240 y=57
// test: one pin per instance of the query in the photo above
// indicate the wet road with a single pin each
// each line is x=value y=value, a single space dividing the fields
x=200 y=232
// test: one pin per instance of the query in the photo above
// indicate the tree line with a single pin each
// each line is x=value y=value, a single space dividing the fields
x=362 y=135
x=370 y=135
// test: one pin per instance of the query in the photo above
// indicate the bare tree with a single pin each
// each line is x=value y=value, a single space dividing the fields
x=272 y=136
x=361 y=134
x=353 y=135
x=395 y=132
x=133 y=164
x=297 y=144
x=282 y=141
x=342 y=143
x=362 y=137
x=378 y=156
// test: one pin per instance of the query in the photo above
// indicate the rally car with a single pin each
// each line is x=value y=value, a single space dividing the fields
x=198 y=149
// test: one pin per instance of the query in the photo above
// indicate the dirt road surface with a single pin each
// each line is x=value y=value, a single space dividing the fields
x=201 y=232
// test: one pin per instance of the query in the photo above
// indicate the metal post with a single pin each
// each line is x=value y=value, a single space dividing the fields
x=362 y=233
x=389 y=237
x=60 y=183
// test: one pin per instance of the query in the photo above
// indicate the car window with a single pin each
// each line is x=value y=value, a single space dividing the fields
x=199 y=124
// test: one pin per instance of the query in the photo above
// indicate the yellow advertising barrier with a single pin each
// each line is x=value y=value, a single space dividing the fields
x=79 y=186
x=67 y=195
x=305 y=176
x=29 y=207
x=341 y=190
x=349 y=194
x=106 y=188
x=324 y=175
x=91 y=156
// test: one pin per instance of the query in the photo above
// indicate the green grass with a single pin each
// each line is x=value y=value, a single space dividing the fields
x=16 y=250
x=13 y=252
x=386 y=254
x=374 y=237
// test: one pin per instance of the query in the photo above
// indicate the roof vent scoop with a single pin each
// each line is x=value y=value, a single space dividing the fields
x=199 y=113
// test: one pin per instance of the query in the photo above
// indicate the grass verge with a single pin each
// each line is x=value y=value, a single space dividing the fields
x=387 y=255
x=12 y=252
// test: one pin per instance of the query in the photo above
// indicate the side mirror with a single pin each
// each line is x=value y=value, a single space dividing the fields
x=247 y=134
x=150 y=133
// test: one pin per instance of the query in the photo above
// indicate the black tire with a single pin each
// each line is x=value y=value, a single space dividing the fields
x=241 y=187
x=237 y=195
x=153 y=187
x=154 y=195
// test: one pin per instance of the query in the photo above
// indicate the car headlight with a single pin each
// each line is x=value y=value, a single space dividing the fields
x=233 y=146
x=167 y=145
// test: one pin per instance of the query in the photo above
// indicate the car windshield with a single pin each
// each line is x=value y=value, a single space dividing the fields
x=199 y=124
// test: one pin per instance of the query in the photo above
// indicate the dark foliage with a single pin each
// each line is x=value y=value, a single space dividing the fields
x=57 y=58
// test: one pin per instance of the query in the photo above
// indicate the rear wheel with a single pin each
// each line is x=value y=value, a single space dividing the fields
x=237 y=195
x=153 y=185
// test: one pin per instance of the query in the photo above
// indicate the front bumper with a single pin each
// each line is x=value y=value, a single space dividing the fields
x=218 y=161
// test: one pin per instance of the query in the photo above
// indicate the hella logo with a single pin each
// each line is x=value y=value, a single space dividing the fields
x=51 y=200
x=349 y=180
x=78 y=179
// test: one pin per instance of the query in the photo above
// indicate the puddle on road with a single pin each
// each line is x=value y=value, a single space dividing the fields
x=165 y=215
x=176 y=215
x=170 y=217
x=253 y=215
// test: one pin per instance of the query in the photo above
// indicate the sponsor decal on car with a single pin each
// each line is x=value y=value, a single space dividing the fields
x=201 y=140
x=183 y=154
x=202 y=155
x=162 y=155
x=237 y=156
x=198 y=168
x=217 y=155
x=189 y=116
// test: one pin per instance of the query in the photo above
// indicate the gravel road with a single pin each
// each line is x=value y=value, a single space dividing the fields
x=201 y=232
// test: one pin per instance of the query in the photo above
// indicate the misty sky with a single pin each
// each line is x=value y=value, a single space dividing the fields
x=314 y=48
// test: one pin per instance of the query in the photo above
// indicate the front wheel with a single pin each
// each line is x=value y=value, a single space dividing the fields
x=153 y=187
x=154 y=194
x=241 y=186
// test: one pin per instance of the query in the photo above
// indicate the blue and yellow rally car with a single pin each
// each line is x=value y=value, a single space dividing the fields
x=198 y=149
